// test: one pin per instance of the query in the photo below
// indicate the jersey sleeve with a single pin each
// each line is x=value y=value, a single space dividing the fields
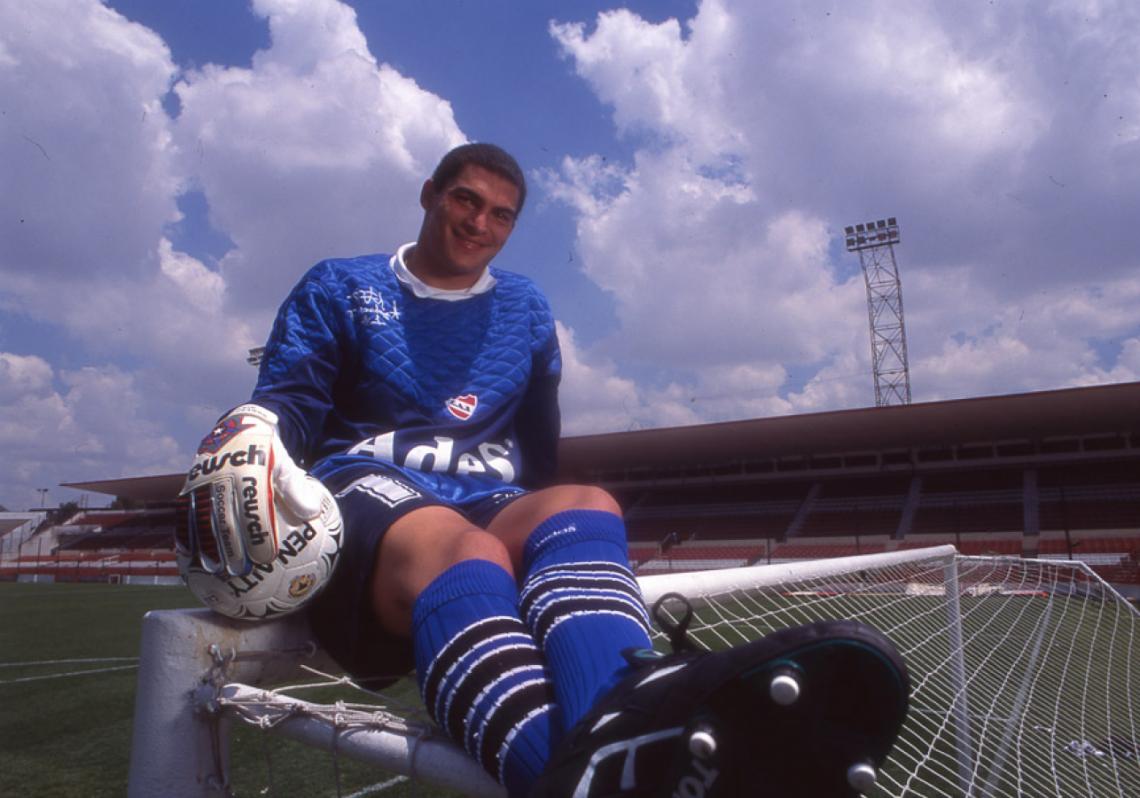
x=301 y=362
x=538 y=421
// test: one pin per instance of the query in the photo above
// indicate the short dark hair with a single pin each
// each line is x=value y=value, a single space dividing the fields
x=488 y=156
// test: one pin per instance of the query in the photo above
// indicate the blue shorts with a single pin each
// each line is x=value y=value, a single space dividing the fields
x=341 y=616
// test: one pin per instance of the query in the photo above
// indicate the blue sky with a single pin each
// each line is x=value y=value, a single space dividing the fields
x=171 y=168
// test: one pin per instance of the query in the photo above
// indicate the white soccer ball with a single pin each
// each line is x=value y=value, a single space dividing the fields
x=307 y=554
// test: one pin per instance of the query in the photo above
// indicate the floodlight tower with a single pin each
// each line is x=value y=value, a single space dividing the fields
x=875 y=243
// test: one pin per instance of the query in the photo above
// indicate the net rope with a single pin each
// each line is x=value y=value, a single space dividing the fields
x=267 y=709
x=1022 y=673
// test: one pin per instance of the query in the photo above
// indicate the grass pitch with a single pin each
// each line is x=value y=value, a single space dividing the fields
x=68 y=664
x=67 y=684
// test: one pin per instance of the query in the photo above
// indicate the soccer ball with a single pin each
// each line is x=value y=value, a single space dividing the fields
x=307 y=553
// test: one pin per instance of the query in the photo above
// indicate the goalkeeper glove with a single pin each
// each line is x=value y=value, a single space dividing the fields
x=241 y=478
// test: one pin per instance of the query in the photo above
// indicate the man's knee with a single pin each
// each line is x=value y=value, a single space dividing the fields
x=478 y=544
x=417 y=549
x=438 y=536
x=583 y=497
x=592 y=497
x=514 y=525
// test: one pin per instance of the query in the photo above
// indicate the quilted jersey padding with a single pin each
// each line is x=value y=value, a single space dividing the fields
x=354 y=355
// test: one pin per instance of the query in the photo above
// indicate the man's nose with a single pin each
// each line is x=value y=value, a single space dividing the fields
x=476 y=220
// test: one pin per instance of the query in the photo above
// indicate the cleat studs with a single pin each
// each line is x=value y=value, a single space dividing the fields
x=702 y=744
x=861 y=776
x=784 y=687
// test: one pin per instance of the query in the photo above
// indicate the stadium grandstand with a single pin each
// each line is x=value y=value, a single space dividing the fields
x=93 y=546
x=1053 y=474
x=16 y=529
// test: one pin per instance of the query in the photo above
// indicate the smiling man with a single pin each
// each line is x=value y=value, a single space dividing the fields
x=469 y=213
x=421 y=389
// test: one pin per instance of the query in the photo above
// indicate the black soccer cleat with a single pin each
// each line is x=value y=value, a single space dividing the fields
x=807 y=712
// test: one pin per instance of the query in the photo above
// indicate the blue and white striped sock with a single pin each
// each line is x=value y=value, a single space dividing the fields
x=582 y=604
x=480 y=674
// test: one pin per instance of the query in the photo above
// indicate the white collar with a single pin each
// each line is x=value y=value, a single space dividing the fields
x=422 y=290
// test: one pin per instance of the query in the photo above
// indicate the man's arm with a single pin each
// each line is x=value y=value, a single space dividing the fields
x=538 y=422
x=244 y=469
x=300 y=365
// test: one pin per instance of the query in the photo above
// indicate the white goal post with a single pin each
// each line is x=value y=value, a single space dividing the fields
x=1021 y=671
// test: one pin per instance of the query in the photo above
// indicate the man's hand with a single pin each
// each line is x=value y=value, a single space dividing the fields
x=241 y=478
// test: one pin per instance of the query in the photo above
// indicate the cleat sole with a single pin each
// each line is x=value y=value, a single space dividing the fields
x=783 y=716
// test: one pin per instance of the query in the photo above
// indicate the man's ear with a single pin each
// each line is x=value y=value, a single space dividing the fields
x=427 y=194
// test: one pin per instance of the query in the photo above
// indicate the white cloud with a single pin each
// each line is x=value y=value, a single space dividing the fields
x=20 y=375
x=699 y=278
x=1006 y=138
x=594 y=398
x=1127 y=366
x=702 y=280
x=657 y=80
x=315 y=151
x=762 y=129
x=203 y=289
x=93 y=426
x=86 y=141
x=81 y=240
x=1046 y=340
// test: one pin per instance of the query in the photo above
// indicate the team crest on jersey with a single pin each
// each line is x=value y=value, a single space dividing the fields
x=221 y=435
x=463 y=407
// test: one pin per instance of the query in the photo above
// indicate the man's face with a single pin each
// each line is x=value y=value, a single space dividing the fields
x=465 y=225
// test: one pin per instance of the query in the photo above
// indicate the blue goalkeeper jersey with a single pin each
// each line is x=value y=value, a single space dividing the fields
x=460 y=396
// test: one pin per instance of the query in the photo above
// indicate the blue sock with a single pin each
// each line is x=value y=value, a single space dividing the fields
x=582 y=604
x=480 y=674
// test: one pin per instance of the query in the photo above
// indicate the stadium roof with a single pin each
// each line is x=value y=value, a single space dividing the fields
x=10 y=520
x=1104 y=411
x=162 y=488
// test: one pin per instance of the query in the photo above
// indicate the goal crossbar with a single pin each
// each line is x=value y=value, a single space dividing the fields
x=727 y=580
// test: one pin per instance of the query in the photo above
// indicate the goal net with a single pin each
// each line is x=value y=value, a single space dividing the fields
x=1022 y=678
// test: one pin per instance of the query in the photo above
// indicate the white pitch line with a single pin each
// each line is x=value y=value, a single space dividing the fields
x=63 y=675
x=67 y=661
x=379 y=787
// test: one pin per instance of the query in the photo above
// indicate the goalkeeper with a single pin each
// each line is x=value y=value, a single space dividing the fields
x=421 y=389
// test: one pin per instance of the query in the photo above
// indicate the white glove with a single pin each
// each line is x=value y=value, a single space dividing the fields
x=241 y=478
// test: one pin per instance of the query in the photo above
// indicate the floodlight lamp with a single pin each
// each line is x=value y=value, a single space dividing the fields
x=849 y=230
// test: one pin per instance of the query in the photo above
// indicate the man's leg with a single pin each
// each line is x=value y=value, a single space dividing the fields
x=450 y=587
x=579 y=598
x=715 y=724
